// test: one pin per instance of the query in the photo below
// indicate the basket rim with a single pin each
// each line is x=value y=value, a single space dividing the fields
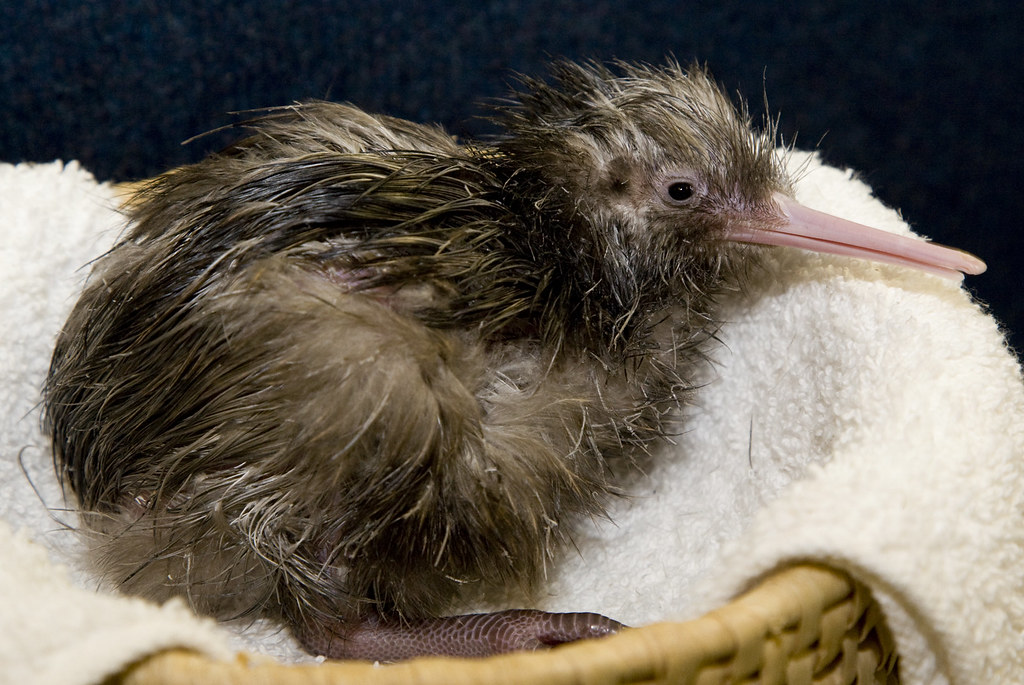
x=772 y=632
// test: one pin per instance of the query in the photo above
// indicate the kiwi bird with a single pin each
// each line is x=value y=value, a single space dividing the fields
x=349 y=367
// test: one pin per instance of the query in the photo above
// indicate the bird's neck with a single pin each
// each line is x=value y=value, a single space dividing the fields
x=589 y=303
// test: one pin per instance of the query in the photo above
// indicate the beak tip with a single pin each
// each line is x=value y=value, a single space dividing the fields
x=967 y=264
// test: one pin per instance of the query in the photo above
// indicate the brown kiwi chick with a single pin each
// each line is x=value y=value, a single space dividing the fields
x=348 y=367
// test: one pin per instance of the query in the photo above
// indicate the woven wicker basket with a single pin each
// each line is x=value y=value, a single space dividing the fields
x=805 y=624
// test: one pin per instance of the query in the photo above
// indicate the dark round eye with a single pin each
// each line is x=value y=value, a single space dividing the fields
x=680 y=191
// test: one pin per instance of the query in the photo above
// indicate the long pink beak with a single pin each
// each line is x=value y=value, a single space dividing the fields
x=813 y=230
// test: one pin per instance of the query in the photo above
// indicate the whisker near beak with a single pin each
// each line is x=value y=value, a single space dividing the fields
x=810 y=229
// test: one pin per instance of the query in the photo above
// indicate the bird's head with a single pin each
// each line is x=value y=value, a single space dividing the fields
x=657 y=174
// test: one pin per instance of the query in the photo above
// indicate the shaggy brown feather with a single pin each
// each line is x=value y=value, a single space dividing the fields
x=348 y=366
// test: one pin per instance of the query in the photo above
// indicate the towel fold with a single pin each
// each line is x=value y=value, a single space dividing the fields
x=860 y=415
x=53 y=632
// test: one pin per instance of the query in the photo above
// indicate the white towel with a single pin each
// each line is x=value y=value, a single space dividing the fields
x=866 y=416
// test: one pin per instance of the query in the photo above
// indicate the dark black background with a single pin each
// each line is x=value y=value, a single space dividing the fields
x=924 y=99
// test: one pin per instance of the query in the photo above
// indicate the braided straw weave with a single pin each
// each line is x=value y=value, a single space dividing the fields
x=804 y=624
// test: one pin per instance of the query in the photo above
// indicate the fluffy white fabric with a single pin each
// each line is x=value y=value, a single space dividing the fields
x=866 y=416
